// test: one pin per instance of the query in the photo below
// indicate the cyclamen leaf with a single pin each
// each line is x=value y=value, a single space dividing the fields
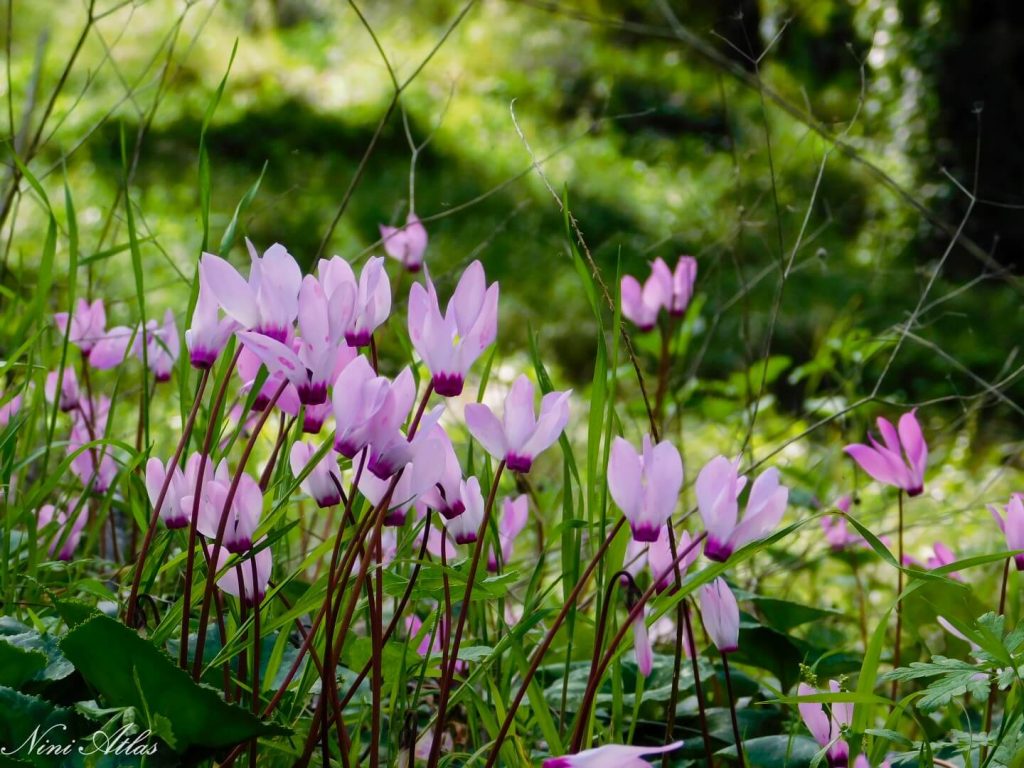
x=956 y=678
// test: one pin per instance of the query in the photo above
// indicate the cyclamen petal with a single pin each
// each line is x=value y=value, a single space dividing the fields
x=253 y=590
x=406 y=244
x=719 y=484
x=721 y=615
x=514 y=513
x=450 y=342
x=645 y=486
x=902 y=457
x=513 y=440
x=323 y=483
x=610 y=756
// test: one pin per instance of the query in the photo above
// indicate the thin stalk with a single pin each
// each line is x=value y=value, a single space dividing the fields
x=698 y=688
x=664 y=364
x=899 y=603
x=449 y=676
x=732 y=710
x=995 y=688
x=399 y=610
x=190 y=554
x=376 y=630
x=596 y=675
x=147 y=541
x=545 y=643
x=211 y=578
x=255 y=654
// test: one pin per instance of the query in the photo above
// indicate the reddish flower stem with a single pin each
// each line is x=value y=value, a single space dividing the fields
x=190 y=555
x=448 y=675
x=549 y=637
x=211 y=576
x=596 y=674
x=147 y=541
x=732 y=710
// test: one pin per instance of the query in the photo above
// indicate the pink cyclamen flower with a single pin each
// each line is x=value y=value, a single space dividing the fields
x=520 y=437
x=371 y=295
x=208 y=334
x=719 y=485
x=446 y=495
x=162 y=346
x=323 y=483
x=310 y=369
x=368 y=407
x=418 y=476
x=251 y=593
x=406 y=244
x=645 y=485
x=721 y=615
x=243 y=516
x=943 y=555
x=68 y=534
x=610 y=756
x=681 y=282
x=514 y=513
x=642 y=644
x=1012 y=526
x=90 y=422
x=432 y=640
x=900 y=460
x=826 y=726
x=88 y=324
x=449 y=343
x=172 y=511
x=113 y=347
x=464 y=527
x=268 y=301
x=10 y=409
x=642 y=304
x=68 y=389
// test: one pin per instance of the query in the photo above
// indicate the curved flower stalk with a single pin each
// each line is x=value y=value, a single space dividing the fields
x=520 y=436
x=323 y=483
x=721 y=615
x=68 y=533
x=902 y=457
x=658 y=557
x=243 y=515
x=645 y=485
x=826 y=726
x=252 y=594
x=370 y=296
x=1012 y=525
x=268 y=302
x=310 y=368
x=719 y=485
x=406 y=244
x=175 y=511
x=514 y=513
x=209 y=332
x=450 y=343
x=610 y=756
x=67 y=393
x=88 y=325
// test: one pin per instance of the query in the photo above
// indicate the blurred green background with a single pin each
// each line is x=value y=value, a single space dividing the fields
x=674 y=127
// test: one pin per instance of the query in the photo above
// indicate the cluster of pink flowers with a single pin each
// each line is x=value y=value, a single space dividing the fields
x=310 y=334
x=665 y=289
